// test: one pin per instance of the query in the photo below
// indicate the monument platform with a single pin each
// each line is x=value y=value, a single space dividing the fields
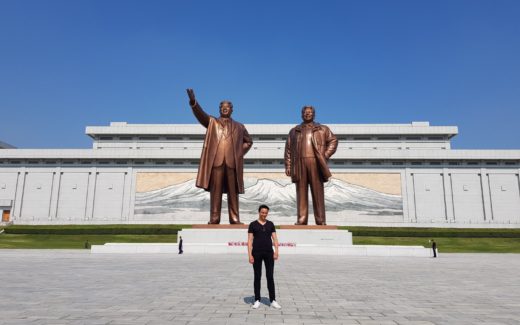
x=294 y=241
x=212 y=226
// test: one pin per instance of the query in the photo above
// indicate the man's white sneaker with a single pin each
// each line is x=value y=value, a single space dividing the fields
x=256 y=304
x=276 y=305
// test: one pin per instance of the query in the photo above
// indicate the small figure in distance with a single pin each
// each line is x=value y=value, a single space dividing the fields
x=434 y=248
x=180 y=245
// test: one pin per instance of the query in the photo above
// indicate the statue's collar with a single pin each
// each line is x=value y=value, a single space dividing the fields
x=315 y=126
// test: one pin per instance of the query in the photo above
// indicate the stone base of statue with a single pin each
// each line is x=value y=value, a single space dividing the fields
x=293 y=240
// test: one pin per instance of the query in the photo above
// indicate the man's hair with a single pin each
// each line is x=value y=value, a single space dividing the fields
x=225 y=101
x=308 y=106
x=263 y=206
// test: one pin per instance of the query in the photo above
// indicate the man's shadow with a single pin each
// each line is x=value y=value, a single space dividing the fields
x=251 y=300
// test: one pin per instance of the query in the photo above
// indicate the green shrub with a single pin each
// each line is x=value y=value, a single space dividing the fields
x=173 y=230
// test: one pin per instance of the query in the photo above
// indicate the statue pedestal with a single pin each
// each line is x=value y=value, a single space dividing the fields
x=293 y=240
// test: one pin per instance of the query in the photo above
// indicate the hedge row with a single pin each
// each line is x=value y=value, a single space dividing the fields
x=97 y=230
x=434 y=232
x=173 y=229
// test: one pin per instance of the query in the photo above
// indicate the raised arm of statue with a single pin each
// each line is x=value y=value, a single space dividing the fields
x=199 y=113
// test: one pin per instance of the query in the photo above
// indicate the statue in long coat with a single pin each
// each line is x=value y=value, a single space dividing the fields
x=221 y=168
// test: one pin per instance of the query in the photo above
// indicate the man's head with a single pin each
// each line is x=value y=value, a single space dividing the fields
x=308 y=114
x=226 y=108
x=263 y=210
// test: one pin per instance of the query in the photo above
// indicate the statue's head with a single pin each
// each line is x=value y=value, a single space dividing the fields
x=226 y=108
x=308 y=114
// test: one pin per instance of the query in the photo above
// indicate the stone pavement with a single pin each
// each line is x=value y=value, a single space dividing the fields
x=76 y=287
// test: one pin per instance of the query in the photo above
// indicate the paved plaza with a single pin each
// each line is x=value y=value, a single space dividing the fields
x=76 y=287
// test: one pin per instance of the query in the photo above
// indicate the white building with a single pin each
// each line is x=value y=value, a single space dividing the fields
x=383 y=174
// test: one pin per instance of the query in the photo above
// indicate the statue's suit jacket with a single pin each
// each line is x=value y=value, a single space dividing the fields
x=242 y=142
x=324 y=143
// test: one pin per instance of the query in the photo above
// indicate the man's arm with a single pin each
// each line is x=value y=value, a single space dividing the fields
x=275 y=243
x=199 y=113
x=250 y=247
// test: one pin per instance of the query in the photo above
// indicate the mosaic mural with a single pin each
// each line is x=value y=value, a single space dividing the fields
x=348 y=196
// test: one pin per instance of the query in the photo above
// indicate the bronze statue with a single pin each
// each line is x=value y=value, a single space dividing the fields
x=307 y=150
x=221 y=168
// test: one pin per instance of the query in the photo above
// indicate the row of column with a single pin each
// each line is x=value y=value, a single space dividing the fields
x=90 y=206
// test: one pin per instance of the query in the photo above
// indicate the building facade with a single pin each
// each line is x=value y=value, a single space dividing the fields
x=383 y=175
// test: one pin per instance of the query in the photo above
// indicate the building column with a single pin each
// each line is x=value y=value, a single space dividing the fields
x=518 y=177
x=91 y=193
x=404 y=196
x=131 y=203
x=127 y=186
x=486 y=195
x=410 y=195
x=18 y=194
x=448 y=195
x=55 y=194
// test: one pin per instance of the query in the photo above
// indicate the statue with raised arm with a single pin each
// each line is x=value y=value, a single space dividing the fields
x=221 y=168
x=307 y=151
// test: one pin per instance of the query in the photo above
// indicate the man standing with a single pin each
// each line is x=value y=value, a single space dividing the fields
x=434 y=248
x=221 y=166
x=307 y=151
x=261 y=236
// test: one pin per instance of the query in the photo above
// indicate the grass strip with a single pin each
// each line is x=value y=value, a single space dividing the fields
x=76 y=241
x=96 y=229
x=449 y=240
x=433 y=232
x=448 y=245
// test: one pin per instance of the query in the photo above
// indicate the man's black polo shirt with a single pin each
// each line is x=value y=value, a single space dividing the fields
x=262 y=241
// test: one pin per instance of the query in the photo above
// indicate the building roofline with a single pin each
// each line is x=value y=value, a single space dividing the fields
x=414 y=128
x=172 y=154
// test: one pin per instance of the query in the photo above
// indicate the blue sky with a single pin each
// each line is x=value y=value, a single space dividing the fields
x=68 y=64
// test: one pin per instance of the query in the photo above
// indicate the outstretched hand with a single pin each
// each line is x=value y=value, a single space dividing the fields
x=191 y=95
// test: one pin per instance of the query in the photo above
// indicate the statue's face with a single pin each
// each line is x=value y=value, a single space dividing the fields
x=226 y=110
x=308 y=115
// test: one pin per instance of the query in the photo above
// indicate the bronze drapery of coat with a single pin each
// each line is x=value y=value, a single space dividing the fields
x=242 y=142
x=324 y=143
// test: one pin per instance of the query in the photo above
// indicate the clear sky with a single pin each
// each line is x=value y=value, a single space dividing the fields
x=68 y=64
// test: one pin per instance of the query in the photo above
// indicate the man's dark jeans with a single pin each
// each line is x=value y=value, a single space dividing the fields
x=268 y=259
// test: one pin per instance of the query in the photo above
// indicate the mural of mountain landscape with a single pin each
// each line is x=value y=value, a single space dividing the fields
x=342 y=199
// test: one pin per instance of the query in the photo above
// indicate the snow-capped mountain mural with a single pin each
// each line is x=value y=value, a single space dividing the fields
x=342 y=200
